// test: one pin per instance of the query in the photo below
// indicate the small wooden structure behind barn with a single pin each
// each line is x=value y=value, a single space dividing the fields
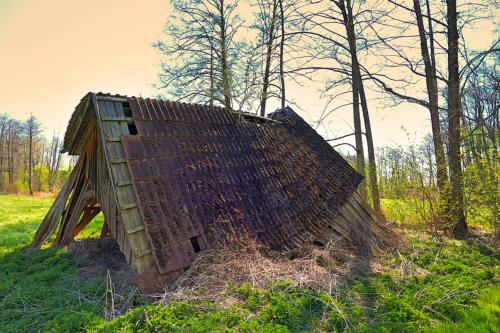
x=165 y=173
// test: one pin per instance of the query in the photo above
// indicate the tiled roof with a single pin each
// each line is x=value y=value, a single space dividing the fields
x=194 y=167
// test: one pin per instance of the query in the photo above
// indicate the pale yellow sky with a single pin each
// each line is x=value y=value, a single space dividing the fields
x=52 y=52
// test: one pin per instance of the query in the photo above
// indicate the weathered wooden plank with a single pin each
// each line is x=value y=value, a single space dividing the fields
x=124 y=183
x=132 y=205
x=142 y=254
x=117 y=118
x=116 y=150
x=51 y=220
x=105 y=231
x=111 y=129
x=136 y=229
x=88 y=216
x=112 y=210
x=111 y=98
x=340 y=224
x=119 y=110
x=108 y=109
x=128 y=255
x=136 y=242
x=120 y=230
x=126 y=195
x=131 y=217
x=118 y=161
x=121 y=173
x=68 y=226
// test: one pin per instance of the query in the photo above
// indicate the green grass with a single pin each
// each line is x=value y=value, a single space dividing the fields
x=483 y=318
x=40 y=287
x=453 y=288
x=20 y=217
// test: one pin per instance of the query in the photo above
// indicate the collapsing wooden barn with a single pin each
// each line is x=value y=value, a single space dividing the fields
x=166 y=174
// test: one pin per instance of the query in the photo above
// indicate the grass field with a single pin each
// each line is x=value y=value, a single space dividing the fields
x=40 y=287
x=454 y=288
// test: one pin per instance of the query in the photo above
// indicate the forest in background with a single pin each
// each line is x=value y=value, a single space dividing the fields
x=29 y=161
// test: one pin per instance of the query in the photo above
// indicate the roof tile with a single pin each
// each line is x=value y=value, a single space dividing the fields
x=205 y=169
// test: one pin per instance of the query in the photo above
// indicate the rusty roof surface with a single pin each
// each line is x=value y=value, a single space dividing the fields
x=194 y=167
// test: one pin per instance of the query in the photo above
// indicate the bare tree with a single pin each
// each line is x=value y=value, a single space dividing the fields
x=282 y=48
x=346 y=9
x=272 y=20
x=54 y=161
x=429 y=58
x=459 y=226
x=268 y=26
x=14 y=129
x=339 y=53
x=32 y=128
x=200 y=52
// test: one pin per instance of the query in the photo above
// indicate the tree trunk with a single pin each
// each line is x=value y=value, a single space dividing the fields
x=347 y=14
x=433 y=95
x=30 y=160
x=269 y=49
x=282 y=44
x=226 y=81
x=372 y=167
x=458 y=223
x=360 y=155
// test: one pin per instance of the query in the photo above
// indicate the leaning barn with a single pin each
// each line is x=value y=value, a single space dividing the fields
x=167 y=174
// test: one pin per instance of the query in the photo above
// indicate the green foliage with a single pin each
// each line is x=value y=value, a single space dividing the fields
x=408 y=178
x=408 y=212
x=483 y=201
x=40 y=181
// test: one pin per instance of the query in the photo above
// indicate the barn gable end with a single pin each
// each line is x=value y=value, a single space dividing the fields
x=167 y=174
x=94 y=134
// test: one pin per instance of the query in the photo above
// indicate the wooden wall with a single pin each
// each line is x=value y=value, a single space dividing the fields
x=116 y=192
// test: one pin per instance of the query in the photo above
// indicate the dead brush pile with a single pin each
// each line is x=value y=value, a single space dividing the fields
x=241 y=259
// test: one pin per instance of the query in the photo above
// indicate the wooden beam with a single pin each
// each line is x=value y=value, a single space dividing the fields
x=88 y=215
x=111 y=99
x=51 y=220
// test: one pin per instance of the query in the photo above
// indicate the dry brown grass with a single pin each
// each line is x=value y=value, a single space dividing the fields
x=241 y=259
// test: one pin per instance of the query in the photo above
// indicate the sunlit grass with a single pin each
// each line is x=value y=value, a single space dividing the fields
x=20 y=217
x=483 y=318
x=38 y=287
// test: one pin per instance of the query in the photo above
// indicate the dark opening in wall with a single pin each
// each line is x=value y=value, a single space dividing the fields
x=318 y=243
x=127 y=111
x=132 y=128
x=195 y=244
